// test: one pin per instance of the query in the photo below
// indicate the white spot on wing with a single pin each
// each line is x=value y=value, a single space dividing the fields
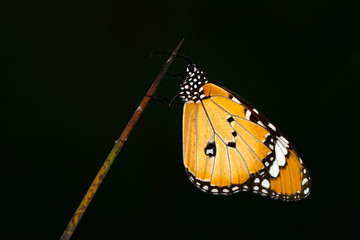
x=260 y=123
x=280 y=157
x=265 y=183
x=272 y=126
x=282 y=147
x=248 y=114
x=235 y=100
x=209 y=151
x=282 y=138
x=274 y=169
x=305 y=180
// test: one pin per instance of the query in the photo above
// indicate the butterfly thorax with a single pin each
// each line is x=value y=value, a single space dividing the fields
x=191 y=84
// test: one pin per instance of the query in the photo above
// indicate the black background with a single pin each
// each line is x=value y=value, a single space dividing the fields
x=73 y=73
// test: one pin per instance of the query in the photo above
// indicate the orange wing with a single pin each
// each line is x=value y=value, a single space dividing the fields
x=229 y=147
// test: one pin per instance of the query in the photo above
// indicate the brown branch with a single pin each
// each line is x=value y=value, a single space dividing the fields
x=114 y=152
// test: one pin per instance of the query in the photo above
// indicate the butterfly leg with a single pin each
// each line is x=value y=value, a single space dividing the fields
x=163 y=100
x=173 y=101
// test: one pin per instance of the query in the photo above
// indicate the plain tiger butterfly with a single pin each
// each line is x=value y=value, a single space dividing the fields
x=228 y=146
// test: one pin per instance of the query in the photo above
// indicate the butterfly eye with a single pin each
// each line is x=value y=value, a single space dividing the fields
x=191 y=68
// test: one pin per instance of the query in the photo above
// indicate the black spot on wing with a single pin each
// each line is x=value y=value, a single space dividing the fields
x=210 y=149
x=230 y=119
x=231 y=144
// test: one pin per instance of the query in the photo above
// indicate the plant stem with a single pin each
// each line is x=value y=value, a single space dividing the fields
x=115 y=151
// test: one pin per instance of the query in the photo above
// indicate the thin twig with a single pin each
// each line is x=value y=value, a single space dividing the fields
x=115 y=151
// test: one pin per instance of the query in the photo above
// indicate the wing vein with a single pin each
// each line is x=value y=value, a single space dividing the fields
x=227 y=151
x=187 y=136
x=291 y=185
x=247 y=168
x=196 y=140
x=212 y=127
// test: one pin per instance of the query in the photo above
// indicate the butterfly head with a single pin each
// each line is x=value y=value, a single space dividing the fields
x=191 y=83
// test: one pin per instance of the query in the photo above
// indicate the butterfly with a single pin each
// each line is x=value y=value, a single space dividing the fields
x=229 y=147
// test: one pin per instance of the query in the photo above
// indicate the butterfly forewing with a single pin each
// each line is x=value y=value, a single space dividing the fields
x=229 y=146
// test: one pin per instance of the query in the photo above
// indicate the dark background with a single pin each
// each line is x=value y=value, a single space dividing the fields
x=73 y=73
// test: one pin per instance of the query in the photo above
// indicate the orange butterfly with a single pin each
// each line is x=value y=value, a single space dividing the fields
x=228 y=146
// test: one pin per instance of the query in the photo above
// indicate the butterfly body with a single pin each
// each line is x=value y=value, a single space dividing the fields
x=228 y=146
